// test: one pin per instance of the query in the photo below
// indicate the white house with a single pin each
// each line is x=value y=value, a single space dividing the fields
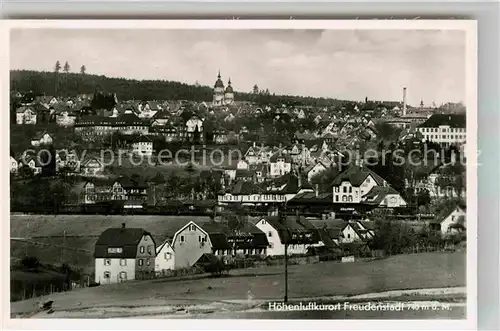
x=242 y=165
x=193 y=123
x=315 y=169
x=32 y=162
x=142 y=146
x=273 y=229
x=92 y=167
x=13 y=165
x=165 y=257
x=65 y=118
x=123 y=254
x=384 y=196
x=42 y=139
x=280 y=164
x=451 y=220
x=25 y=115
x=444 y=129
x=251 y=154
x=189 y=243
x=352 y=184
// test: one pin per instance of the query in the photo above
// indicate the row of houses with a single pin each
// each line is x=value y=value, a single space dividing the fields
x=357 y=185
x=133 y=253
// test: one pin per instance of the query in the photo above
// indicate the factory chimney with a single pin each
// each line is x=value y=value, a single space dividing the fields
x=404 y=101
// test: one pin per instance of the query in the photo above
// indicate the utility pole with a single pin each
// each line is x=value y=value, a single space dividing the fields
x=283 y=217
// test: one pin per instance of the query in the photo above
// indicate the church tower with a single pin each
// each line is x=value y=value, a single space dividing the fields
x=229 y=95
x=218 y=99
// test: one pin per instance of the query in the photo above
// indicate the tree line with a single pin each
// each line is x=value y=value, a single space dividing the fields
x=72 y=84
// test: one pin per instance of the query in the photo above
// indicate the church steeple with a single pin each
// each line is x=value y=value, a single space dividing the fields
x=229 y=81
x=218 y=76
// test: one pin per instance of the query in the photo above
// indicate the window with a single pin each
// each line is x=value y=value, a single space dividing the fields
x=141 y=262
x=168 y=256
x=107 y=275
x=141 y=249
x=348 y=236
x=350 y=189
x=336 y=198
x=271 y=245
x=182 y=239
x=115 y=250
x=345 y=189
x=148 y=261
x=269 y=234
x=199 y=239
x=150 y=249
x=107 y=262
x=344 y=198
x=123 y=275
x=123 y=262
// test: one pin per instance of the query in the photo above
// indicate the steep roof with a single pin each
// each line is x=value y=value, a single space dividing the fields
x=356 y=175
x=293 y=226
x=377 y=194
x=447 y=211
x=126 y=238
x=244 y=187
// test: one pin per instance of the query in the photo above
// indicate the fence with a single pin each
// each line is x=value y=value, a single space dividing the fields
x=26 y=289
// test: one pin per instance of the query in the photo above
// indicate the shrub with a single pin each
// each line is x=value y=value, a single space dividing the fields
x=30 y=262
x=216 y=267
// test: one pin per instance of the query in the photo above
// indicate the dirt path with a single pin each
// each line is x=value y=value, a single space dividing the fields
x=197 y=307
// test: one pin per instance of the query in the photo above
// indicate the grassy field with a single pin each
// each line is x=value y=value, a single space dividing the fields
x=414 y=271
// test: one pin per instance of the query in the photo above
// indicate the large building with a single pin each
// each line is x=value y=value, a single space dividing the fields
x=123 y=254
x=444 y=129
x=223 y=96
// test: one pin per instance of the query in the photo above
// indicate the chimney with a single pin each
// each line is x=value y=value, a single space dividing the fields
x=254 y=144
x=123 y=226
x=404 y=101
x=317 y=189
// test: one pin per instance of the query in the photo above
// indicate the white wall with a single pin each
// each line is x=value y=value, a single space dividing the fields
x=452 y=218
x=187 y=246
x=280 y=168
x=165 y=259
x=115 y=268
x=349 y=235
x=276 y=248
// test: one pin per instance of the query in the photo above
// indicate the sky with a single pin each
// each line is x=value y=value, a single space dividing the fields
x=343 y=64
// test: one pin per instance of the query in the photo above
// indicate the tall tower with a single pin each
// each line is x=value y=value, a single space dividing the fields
x=218 y=99
x=404 y=101
x=229 y=94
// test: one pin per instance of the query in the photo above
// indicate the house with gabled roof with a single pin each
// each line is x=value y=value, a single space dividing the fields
x=384 y=196
x=315 y=169
x=452 y=219
x=280 y=164
x=123 y=254
x=297 y=232
x=32 y=162
x=92 y=167
x=251 y=155
x=353 y=183
x=42 y=138
x=186 y=241
x=26 y=115
x=142 y=145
